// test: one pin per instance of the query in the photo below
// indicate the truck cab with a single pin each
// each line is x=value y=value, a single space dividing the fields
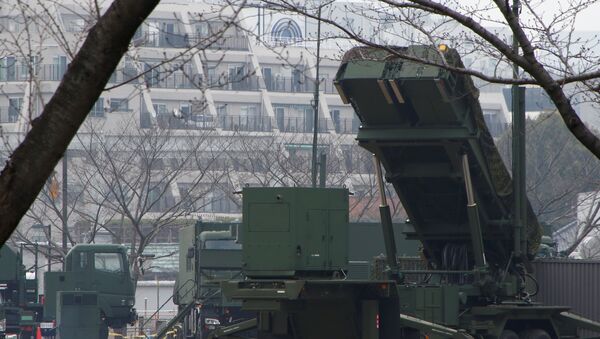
x=103 y=269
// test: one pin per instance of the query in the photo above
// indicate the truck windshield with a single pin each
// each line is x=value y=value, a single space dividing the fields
x=222 y=244
x=108 y=262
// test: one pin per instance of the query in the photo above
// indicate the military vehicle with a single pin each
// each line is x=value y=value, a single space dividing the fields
x=96 y=291
x=209 y=254
x=424 y=124
x=19 y=307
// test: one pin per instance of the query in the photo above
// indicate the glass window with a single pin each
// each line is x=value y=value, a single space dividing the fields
x=222 y=244
x=119 y=105
x=108 y=262
x=83 y=260
x=98 y=108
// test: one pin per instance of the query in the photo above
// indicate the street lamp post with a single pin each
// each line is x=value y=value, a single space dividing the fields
x=316 y=102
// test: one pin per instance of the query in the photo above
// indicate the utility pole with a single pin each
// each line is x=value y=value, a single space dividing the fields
x=316 y=103
x=518 y=154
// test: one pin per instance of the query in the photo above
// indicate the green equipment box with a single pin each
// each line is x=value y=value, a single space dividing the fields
x=294 y=231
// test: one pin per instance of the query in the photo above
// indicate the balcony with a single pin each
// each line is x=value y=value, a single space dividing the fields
x=245 y=123
x=346 y=126
x=328 y=87
x=289 y=84
x=234 y=83
x=234 y=43
x=177 y=40
x=123 y=75
x=168 y=121
x=172 y=80
x=46 y=72
x=301 y=125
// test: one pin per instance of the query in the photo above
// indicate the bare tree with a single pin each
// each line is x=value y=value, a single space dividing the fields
x=87 y=27
x=550 y=55
x=145 y=181
x=35 y=158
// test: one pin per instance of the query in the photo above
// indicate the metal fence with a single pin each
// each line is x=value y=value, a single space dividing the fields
x=301 y=125
x=289 y=84
x=234 y=83
x=567 y=282
x=178 y=40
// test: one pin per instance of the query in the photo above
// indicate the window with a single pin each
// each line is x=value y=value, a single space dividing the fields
x=286 y=30
x=98 y=108
x=222 y=109
x=119 y=105
x=83 y=260
x=27 y=64
x=75 y=24
x=152 y=75
x=8 y=69
x=222 y=244
x=280 y=117
x=14 y=109
x=59 y=67
x=108 y=262
x=185 y=111
x=160 y=108
x=248 y=110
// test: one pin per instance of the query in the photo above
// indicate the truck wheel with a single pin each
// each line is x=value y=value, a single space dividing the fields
x=509 y=334
x=534 y=333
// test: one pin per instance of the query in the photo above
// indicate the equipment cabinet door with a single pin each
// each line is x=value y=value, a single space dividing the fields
x=337 y=239
x=316 y=239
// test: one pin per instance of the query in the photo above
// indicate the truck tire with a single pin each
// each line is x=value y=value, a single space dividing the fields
x=534 y=333
x=509 y=334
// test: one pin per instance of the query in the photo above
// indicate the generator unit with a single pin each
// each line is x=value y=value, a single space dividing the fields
x=294 y=231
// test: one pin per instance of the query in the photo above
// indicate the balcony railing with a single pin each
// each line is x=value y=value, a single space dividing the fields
x=346 y=126
x=177 y=40
x=235 y=83
x=301 y=125
x=328 y=87
x=235 y=43
x=172 y=80
x=123 y=75
x=168 y=121
x=51 y=72
x=247 y=123
x=287 y=84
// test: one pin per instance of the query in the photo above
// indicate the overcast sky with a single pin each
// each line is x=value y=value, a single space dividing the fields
x=588 y=20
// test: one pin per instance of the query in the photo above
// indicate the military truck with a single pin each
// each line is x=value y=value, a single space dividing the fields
x=19 y=307
x=209 y=254
x=424 y=125
x=95 y=291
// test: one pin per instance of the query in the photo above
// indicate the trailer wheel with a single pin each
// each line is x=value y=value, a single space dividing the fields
x=534 y=333
x=509 y=334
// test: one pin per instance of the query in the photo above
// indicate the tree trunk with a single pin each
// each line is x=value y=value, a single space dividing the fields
x=34 y=159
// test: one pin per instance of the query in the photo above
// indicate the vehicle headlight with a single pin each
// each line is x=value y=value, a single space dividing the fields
x=127 y=302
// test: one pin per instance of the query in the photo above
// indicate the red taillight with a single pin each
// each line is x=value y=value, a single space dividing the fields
x=27 y=328
x=42 y=299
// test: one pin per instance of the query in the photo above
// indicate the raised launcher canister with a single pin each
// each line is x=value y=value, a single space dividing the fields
x=426 y=127
x=294 y=232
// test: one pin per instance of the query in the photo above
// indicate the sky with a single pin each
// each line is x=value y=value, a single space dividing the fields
x=587 y=20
